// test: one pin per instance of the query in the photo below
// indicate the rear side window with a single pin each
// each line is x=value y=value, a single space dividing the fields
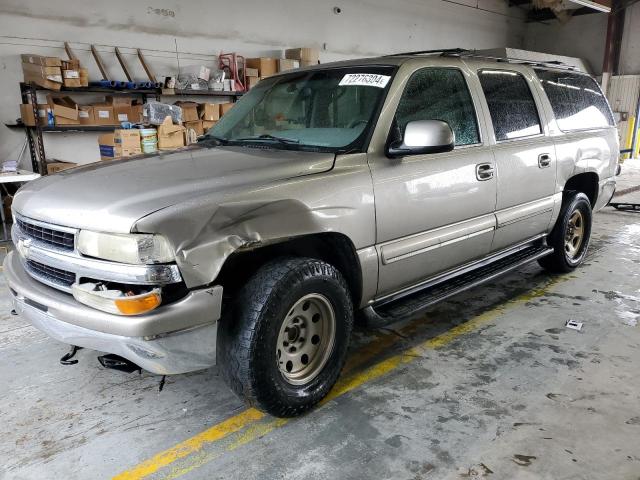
x=576 y=100
x=439 y=94
x=511 y=105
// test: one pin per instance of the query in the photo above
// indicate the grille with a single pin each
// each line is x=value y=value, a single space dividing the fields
x=50 y=236
x=48 y=274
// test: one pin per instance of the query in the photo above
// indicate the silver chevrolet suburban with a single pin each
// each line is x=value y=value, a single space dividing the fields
x=369 y=188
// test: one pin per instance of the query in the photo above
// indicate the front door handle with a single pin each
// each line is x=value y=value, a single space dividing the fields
x=484 y=171
x=544 y=160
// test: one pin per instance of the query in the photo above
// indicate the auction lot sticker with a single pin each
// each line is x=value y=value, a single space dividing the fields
x=365 y=79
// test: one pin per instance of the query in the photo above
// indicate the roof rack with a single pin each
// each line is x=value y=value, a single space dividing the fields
x=523 y=61
x=463 y=52
x=443 y=52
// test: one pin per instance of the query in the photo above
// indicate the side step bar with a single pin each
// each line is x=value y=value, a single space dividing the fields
x=384 y=313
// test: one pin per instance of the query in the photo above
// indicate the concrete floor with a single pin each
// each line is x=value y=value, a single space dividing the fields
x=490 y=384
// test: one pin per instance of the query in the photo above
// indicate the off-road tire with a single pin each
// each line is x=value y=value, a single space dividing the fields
x=560 y=261
x=248 y=334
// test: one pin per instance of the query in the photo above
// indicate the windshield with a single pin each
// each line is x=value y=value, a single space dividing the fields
x=327 y=110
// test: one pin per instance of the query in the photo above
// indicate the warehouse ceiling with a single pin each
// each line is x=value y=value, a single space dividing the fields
x=563 y=10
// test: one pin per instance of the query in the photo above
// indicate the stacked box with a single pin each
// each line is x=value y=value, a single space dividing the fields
x=285 y=64
x=43 y=71
x=225 y=107
x=306 y=56
x=265 y=66
x=65 y=110
x=209 y=111
x=170 y=136
x=189 y=111
x=120 y=143
x=26 y=114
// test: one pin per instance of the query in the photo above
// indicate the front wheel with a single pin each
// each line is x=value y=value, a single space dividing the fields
x=570 y=235
x=282 y=345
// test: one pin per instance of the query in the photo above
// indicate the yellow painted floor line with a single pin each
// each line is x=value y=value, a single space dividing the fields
x=192 y=445
x=252 y=424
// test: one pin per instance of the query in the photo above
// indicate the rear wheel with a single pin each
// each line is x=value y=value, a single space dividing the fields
x=282 y=345
x=570 y=235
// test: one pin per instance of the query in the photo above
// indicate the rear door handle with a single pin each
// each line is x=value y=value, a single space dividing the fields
x=484 y=171
x=544 y=160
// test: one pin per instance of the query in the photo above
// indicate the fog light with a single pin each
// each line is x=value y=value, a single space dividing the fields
x=115 y=301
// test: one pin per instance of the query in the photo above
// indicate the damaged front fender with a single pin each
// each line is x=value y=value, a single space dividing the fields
x=205 y=231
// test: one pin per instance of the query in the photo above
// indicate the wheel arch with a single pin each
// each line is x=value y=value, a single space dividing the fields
x=586 y=182
x=331 y=247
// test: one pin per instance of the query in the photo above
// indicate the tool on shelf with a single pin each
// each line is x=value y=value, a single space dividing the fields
x=234 y=66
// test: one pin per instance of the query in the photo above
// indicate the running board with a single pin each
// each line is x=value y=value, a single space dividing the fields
x=384 y=313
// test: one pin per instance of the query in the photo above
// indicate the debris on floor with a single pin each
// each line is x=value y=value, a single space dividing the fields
x=66 y=359
x=475 y=471
x=523 y=460
x=574 y=325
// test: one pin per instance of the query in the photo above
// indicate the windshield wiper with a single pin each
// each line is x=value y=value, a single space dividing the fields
x=211 y=138
x=268 y=137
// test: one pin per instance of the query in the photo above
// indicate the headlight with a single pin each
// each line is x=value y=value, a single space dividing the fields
x=134 y=248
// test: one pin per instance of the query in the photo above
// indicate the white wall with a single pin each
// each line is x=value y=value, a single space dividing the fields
x=584 y=36
x=201 y=29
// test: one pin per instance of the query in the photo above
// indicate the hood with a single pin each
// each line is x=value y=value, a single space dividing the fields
x=111 y=196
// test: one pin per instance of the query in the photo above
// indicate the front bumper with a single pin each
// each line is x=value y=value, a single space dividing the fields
x=175 y=338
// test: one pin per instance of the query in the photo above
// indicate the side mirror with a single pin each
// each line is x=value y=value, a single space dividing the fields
x=423 y=136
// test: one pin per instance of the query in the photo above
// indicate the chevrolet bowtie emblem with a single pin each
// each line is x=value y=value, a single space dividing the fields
x=23 y=247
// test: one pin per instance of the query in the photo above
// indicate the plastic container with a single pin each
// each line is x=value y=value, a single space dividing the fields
x=149 y=146
x=148 y=135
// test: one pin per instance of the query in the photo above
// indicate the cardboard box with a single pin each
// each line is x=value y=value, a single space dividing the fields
x=252 y=81
x=50 y=73
x=251 y=72
x=71 y=78
x=170 y=136
x=103 y=114
x=265 y=66
x=26 y=114
x=189 y=111
x=85 y=115
x=40 y=60
x=308 y=63
x=65 y=110
x=121 y=108
x=207 y=124
x=42 y=82
x=120 y=143
x=225 y=107
x=84 y=77
x=197 y=126
x=285 y=64
x=46 y=76
x=55 y=167
x=307 y=54
x=209 y=111
x=127 y=142
x=135 y=115
x=71 y=64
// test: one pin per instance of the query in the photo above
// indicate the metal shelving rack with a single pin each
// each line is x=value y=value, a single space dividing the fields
x=29 y=94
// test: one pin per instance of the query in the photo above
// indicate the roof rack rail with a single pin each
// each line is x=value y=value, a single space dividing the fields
x=463 y=52
x=524 y=61
x=442 y=51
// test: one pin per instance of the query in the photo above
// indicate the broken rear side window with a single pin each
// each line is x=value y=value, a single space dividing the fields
x=576 y=100
x=511 y=105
